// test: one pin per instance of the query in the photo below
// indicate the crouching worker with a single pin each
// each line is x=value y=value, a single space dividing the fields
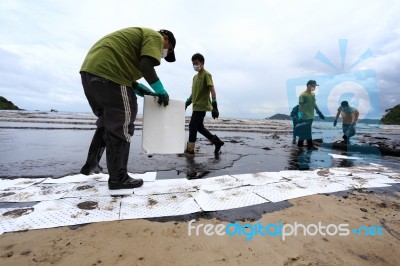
x=295 y=120
x=202 y=86
x=109 y=77
x=350 y=117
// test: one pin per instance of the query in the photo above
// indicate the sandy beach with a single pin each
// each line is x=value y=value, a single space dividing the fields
x=144 y=242
x=251 y=146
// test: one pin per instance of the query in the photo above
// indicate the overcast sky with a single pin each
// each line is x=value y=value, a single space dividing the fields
x=260 y=53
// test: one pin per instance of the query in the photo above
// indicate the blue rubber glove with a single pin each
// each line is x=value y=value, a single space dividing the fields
x=142 y=90
x=320 y=115
x=162 y=95
x=188 y=102
x=214 y=112
x=335 y=123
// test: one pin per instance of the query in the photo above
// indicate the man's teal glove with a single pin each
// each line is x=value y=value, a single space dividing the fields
x=214 y=112
x=335 y=123
x=300 y=115
x=188 y=102
x=142 y=90
x=320 y=115
x=162 y=95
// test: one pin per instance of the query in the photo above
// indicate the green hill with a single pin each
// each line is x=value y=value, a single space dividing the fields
x=7 y=105
x=392 y=116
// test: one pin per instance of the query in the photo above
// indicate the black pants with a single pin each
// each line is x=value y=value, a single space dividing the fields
x=115 y=106
x=197 y=125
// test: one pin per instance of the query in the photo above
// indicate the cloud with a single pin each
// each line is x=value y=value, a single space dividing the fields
x=251 y=49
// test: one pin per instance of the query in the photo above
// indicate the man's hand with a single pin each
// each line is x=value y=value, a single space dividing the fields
x=188 y=102
x=163 y=99
x=335 y=123
x=214 y=112
x=320 y=115
x=161 y=93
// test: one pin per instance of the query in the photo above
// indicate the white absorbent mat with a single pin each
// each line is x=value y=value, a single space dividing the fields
x=75 y=178
x=217 y=183
x=298 y=175
x=165 y=186
x=70 y=211
x=339 y=156
x=281 y=191
x=134 y=207
x=163 y=126
x=322 y=185
x=227 y=199
x=18 y=183
x=95 y=189
x=101 y=177
x=259 y=179
x=37 y=193
x=376 y=177
x=10 y=216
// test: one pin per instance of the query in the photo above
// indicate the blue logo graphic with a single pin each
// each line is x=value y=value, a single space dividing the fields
x=368 y=231
x=358 y=87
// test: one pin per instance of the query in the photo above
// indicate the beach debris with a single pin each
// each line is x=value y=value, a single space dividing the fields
x=88 y=205
x=18 y=212
x=364 y=209
x=391 y=231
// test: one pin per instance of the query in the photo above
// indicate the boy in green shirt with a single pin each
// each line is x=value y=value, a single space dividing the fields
x=307 y=104
x=109 y=76
x=202 y=86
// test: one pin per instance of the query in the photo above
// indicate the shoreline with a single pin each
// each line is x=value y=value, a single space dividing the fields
x=165 y=240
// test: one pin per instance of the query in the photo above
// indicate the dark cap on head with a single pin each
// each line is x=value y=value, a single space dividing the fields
x=344 y=104
x=171 y=54
x=312 y=83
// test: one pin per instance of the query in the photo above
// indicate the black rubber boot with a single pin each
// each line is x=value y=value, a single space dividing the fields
x=96 y=150
x=218 y=144
x=300 y=143
x=310 y=145
x=117 y=161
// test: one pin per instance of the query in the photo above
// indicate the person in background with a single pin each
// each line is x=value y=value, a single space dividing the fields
x=350 y=118
x=202 y=87
x=109 y=76
x=295 y=120
x=307 y=104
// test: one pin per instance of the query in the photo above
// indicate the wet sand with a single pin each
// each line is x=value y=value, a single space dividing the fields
x=251 y=146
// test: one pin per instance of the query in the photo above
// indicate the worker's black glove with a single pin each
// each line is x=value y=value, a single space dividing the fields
x=214 y=112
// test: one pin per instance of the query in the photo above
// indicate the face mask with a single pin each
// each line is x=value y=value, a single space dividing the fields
x=164 y=53
x=196 y=67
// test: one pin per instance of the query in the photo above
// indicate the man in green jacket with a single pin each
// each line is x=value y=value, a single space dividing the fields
x=307 y=104
x=202 y=87
x=109 y=76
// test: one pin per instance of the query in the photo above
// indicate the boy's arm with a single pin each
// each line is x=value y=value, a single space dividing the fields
x=319 y=112
x=337 y=115
x=336 y=118
x=356 y=114
x=213 y=93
